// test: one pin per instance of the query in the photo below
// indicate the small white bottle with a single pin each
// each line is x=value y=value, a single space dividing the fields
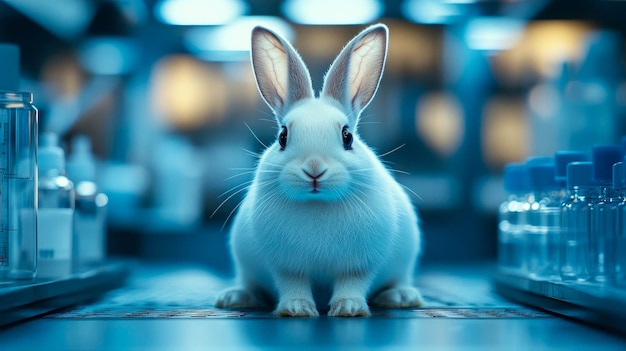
x=90 y=206
x=55 y=211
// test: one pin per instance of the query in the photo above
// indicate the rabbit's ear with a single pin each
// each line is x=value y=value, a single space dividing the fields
x=281 y=76
x=354 y=76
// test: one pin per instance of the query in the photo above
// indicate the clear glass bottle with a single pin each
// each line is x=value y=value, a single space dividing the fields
x=90 y=206
x=619 y=182
x=56 y=211
x=544 y=221
x=575 y=222
x=512 y=218
x=18 y=173
x=604 y=214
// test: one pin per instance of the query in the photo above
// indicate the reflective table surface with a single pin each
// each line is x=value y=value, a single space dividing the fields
x=170 y=307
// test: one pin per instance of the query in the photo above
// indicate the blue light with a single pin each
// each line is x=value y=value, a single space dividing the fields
x=232 y=41
x=432 y=11
x=333 y=12
x=493 y=33
x=199 y=12
x=108 y=55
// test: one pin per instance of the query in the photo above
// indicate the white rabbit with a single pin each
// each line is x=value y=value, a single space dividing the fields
x=323 y=213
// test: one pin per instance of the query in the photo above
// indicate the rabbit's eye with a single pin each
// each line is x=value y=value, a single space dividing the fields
x=347 y=138
x=282 y=138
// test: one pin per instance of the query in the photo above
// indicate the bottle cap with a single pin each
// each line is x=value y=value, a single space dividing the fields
x=603 y=158
x=563 y=158
x=618 y=175
x=9 y=67
x=81 y=165
x=542 y=177
x=515 y=178
x=580 y=174
x=50 y=156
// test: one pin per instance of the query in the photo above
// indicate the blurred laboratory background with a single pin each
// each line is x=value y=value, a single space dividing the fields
x=163 y=91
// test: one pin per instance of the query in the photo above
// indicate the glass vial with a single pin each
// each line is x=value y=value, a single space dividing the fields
x=56 y=211
x=512 y=218
x=18 y=175
x=619 y=182
x=575 y=222
x=604 y=214
x=544 y=222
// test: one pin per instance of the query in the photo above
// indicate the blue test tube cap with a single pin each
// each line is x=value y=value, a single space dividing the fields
x=9 y=67
x=603 y=158
x=565 y=157
x=516 y=178
x=541 y=176
x=580 y=174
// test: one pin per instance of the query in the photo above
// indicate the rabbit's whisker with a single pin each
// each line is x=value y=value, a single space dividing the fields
x=398 y=171
x=242 y=169
x=246 y=183
x=411 y=191
x=274 y=165
x=251 y=153
x=265 y=113
x=252 y=171
x=239 y=175
x=228 y=198
x=363 y=169
x=392 y=150
x=231 y=213
x=255 y=136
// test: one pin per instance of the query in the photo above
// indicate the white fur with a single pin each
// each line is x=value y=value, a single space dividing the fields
x=357 y=235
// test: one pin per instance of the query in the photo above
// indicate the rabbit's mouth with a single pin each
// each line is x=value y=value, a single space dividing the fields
x=304 y=185
x=315 y=185
x=315 y=180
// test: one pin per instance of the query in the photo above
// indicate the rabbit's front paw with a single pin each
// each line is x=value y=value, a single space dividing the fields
x=296 y=307
x=398 y=297
x=236 y=297
x=349 y=307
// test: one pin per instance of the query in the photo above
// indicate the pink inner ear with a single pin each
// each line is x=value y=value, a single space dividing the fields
x=365 y=68
x=272 y=71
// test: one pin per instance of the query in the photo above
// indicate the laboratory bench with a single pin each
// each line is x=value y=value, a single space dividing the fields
x=170 y=306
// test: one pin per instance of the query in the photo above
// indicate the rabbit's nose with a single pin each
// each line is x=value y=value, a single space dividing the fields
x=314 y=168
x=314 y=176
